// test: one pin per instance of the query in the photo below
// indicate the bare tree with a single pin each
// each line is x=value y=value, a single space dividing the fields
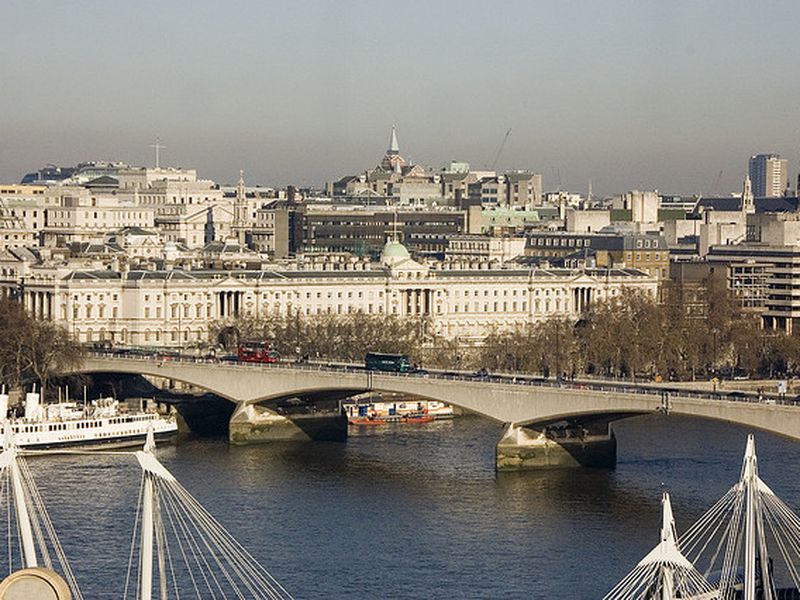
x=33 y=351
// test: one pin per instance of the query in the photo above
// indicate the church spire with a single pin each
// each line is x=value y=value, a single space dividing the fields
x=240 y=192
x=748 y=206
x=392 y=162
x=394 y=147
x=240 y=220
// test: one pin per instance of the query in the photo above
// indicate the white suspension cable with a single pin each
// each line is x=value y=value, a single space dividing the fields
x=133 y=537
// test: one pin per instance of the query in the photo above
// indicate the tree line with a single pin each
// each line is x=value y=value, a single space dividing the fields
x=697 y=332
x=690 y=332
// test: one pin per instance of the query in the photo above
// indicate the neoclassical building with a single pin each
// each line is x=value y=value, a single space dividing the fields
x=176 y=307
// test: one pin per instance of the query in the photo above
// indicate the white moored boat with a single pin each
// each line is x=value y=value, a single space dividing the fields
x=70 y=424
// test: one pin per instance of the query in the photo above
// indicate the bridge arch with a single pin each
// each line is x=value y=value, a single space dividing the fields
x=520 y=403
x=230 y=390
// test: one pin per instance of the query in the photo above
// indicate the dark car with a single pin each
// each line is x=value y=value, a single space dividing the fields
x=481 y=374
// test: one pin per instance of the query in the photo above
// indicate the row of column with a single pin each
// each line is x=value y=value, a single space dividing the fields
x=581 y=298
x=417 y=301
x=229 y=304
x=41 y=305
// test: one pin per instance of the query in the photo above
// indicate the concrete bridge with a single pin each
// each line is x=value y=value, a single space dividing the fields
x=546 y=424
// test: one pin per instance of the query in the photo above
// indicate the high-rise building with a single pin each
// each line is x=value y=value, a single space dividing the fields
x=769 y=174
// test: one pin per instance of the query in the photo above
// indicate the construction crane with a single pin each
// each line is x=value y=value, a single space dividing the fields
x=500 y=149
x=716 y=183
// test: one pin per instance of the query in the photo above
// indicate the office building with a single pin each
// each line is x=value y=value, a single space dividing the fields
x=769 y=175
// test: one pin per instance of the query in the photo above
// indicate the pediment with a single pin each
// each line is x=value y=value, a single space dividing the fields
x=230 y=282
x=583 y=278
x=408 y=267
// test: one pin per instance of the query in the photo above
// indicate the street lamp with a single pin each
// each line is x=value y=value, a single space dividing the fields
x=714 y=359
x=180 y=331
x=714 y=351
x=558 y=350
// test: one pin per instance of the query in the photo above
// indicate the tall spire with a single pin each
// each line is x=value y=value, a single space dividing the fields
x=748 y=205
x=240 y=192
x=394 y=147
x=240 y=220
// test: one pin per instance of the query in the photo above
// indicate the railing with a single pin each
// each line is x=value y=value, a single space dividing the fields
x=597 y=385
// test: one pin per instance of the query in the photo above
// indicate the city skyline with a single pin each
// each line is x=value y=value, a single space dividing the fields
x=627 y=95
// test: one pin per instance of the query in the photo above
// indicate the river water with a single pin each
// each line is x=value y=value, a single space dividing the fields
x=418 y=511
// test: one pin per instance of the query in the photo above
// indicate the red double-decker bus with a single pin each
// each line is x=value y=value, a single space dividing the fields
x=256 y=351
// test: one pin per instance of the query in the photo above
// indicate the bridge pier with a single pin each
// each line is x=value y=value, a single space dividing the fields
x=254 y=424
x=522 y=449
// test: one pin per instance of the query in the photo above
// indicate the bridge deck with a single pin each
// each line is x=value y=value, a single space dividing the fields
x=506 y=398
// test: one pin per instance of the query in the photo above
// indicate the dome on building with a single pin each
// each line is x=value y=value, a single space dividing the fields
x=393 y=253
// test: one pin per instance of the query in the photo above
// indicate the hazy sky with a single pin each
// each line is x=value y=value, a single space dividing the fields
x=663 y=94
